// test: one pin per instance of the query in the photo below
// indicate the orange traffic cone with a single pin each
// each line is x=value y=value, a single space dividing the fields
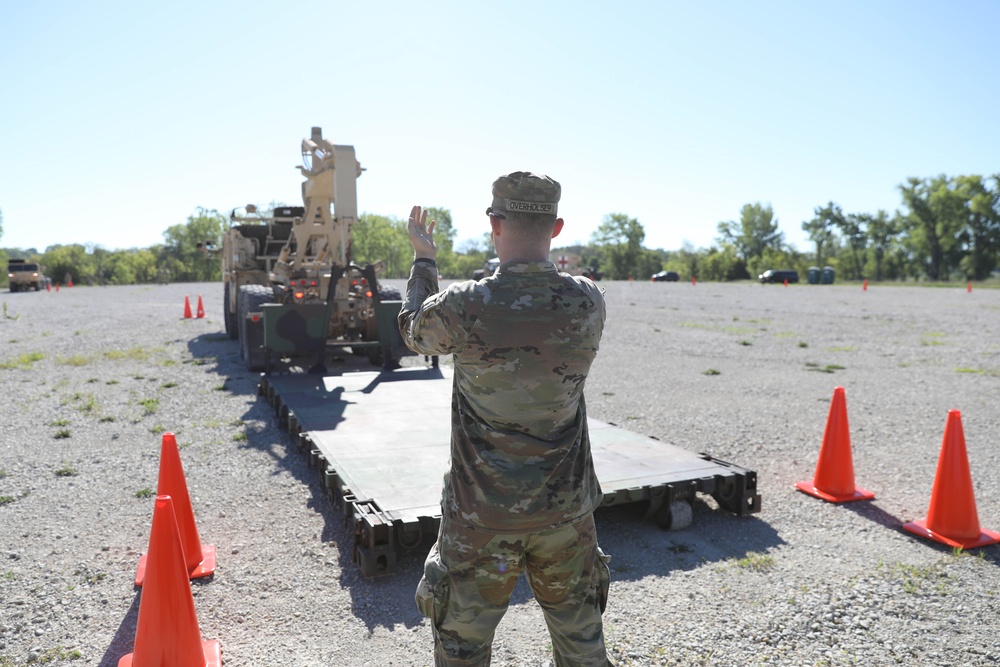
x=166 y=632
x=48 y=286
x=187 y=308
x=694 y=281
x=968 y=287
x=952 y=518
x=201 y=308
x=199 y=560
x=864 y=285
x=834 y=478
x=786 y=282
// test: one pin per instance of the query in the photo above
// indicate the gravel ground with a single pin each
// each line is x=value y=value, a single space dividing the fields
x=92 y=376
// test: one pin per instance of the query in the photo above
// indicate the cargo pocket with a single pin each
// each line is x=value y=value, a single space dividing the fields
x=432 y=591
x=603 y=578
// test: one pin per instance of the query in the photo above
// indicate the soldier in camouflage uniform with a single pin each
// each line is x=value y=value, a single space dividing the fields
x=521 y=489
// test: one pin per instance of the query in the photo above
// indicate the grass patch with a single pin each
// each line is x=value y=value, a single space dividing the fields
x=133 y=353
x=66 y=471
x=168 y=385
x=59 y=422
x=239 y=437
x=930 y=342
x=746 y=342
x=58 y=654
x=6 y=500
x=150 y=405
x=969 y=370
x=3 y=473
x=802 y=343
x=157 y=429
x=829 y=368
x=106 y=418
x=62 y=434
x=7 y=315
x=711 y=371
x=145 y=493
x=22 y=361
x=755 y=561
x=74 y=360
x=110 y=382
x=842 y=348
x=220 y=387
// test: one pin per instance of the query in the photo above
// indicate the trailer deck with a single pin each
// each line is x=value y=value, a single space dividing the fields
x=380 y=440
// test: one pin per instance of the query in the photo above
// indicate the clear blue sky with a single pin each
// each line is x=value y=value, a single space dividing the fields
x=119 y=119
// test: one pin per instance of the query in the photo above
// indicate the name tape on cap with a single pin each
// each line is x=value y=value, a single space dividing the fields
x=530 y=206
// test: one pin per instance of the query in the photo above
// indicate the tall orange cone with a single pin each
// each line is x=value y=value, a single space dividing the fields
x=201 y=309
x=166 y=632
x=864 y=286
x=199 y=559
x=952 y=518
x=834 y=478
x=187 y=308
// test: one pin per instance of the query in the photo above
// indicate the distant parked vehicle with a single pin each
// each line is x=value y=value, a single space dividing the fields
x=665 y=276
x=779 y=276
x=23 y=275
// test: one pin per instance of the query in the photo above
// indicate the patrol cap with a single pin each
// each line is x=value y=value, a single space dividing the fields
x=524 y=192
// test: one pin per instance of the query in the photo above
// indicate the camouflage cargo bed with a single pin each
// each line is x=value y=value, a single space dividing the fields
x=380 y=441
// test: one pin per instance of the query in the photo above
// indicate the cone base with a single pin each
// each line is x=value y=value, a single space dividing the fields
x=858 y=494
x=919 y=527
x=213 y=655
x=204 y=569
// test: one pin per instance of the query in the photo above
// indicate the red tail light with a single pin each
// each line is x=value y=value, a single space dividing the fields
x=299 y=295
x=368 y=294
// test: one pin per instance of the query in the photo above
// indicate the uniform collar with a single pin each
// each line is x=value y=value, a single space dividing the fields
x=527 y=267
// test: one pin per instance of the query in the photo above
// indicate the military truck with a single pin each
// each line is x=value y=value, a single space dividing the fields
x=290 y=287
x=24 y=275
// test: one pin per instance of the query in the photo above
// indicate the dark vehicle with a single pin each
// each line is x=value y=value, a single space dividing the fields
x=779 y=276
x=665 y=276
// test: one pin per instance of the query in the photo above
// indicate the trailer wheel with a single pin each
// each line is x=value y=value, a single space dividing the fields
x=250 y=299
x=229 y=316
x=676 y=515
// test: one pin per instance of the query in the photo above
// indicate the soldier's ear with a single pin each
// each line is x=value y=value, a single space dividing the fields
x=557 y=228
x=496 y=224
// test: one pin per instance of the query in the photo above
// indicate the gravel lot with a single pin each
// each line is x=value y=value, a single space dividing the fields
x=92 y=376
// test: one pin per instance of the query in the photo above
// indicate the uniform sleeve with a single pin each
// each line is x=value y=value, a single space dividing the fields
x=430 y=321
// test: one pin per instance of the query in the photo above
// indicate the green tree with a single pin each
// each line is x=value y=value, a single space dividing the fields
x=882 y=232
x=621 y=238
x=982 y=235
x=69 y=261
x=820 y=228
x=853 y=229
x=183 y=246
x=722 y=264
x=935 y=220
x=377 y=238
x=756 y=230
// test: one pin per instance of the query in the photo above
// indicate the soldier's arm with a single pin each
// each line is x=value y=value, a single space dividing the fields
x=425 y=321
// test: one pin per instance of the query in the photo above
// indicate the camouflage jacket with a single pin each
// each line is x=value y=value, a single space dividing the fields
x=522 y=342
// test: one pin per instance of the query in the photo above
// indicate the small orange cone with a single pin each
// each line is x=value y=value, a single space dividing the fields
x=694 y=281
x=952 y=518
x=201 y=309
x=864 y=286
x=834 y=478
x=199 y=559
x=968 y=287
x=187 y=308
x=786 y=282
x=57 y=287
x=166 y=632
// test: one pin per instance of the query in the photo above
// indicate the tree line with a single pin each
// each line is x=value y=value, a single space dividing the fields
x=947 y=228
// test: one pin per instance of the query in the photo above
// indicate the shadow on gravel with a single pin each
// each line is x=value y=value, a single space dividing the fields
x=220 y=355
x=638 y=548
x=124 y=639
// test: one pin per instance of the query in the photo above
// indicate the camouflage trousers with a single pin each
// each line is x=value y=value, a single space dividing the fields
x=469 y=577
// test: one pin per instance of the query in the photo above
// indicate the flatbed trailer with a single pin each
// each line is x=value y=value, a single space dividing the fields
x=380 y=441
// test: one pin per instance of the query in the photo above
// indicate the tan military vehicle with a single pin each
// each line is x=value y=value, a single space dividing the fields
x=24 y=275
x=290 y=285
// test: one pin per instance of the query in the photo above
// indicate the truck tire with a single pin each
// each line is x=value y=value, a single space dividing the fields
x=250 y=299
x=229 y=316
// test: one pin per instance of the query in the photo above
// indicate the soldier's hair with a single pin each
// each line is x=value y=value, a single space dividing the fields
x=531 y=227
